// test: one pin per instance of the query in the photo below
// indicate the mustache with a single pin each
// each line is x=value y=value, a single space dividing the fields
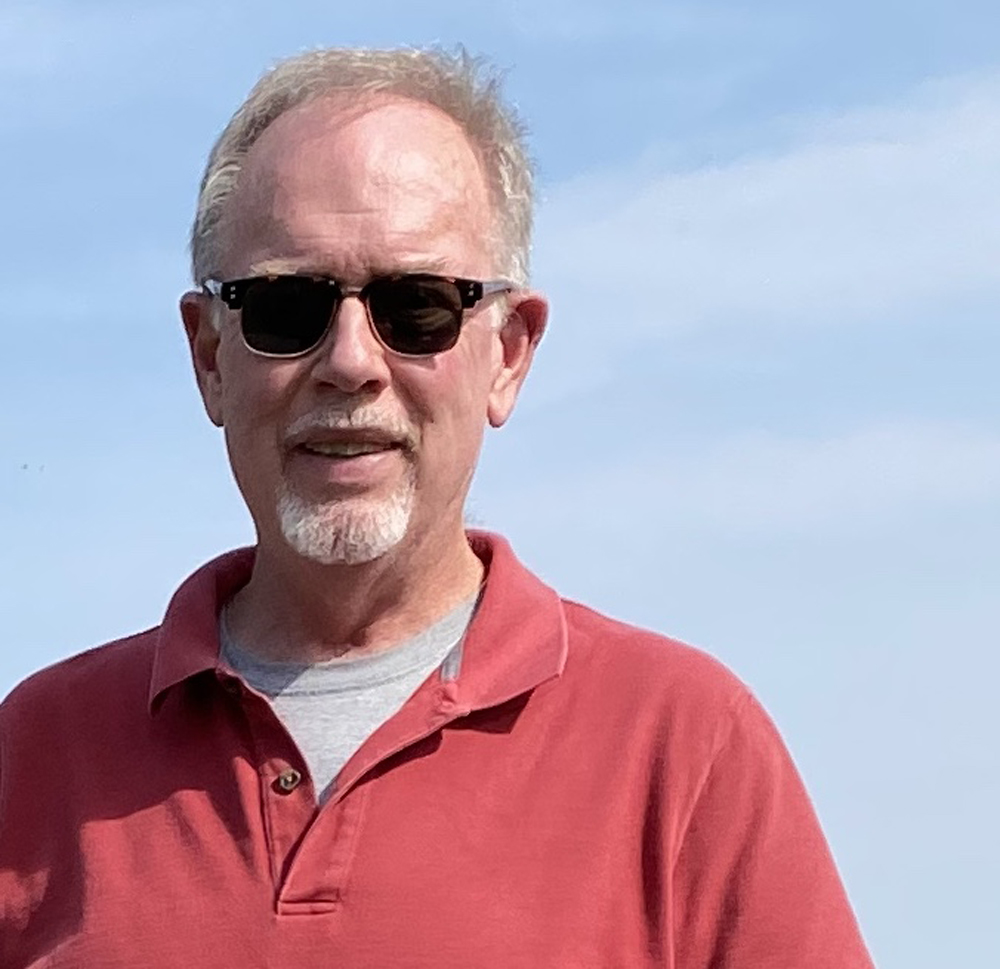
x=355 y=417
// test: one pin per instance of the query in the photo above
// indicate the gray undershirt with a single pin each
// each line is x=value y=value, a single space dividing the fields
x=331 y=708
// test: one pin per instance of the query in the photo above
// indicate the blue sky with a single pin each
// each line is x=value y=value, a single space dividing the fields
x=764 y=419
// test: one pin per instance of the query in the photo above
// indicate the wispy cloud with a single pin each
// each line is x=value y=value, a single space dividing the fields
x=876 y=476
x=876 y=215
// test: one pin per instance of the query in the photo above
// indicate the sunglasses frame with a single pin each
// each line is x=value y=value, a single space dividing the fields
x=470 y=291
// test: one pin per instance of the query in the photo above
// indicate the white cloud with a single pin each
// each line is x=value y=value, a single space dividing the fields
x=878 y=475
x=879 y=214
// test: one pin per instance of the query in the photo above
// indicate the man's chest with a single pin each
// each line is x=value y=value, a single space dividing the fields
x=464 y=849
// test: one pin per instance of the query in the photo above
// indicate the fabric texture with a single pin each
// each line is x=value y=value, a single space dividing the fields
x=567 y=791
x=331 y=708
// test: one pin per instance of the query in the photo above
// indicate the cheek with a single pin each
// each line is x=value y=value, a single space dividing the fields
x=255 y=409
x=453 y=410
x=253 y=387
x=455 y=394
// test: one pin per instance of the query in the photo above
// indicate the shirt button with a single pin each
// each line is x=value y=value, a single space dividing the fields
x=288 y=780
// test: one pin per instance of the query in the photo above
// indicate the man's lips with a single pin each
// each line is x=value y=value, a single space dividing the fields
x=347 y=449
x=347 y=460
x=348 y=442
x=345 y=432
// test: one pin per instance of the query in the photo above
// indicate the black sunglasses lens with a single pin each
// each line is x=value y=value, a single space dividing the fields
x=416 y=315
x=287 y=315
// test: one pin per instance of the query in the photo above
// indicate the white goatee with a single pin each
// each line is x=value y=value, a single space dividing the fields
x=351 y=530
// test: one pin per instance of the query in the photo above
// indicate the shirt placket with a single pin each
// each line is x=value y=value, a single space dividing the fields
x=316 y=878
x=310 y=848
x=287 y=797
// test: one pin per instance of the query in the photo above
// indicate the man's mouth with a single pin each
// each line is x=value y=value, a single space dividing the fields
x=346 y=449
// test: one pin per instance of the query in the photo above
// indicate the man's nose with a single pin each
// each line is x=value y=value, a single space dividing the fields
x=351 y=357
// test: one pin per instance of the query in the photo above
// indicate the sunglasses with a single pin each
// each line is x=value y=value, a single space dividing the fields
x=415 y=315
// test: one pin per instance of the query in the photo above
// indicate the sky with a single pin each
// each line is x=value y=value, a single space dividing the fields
x=764 y=419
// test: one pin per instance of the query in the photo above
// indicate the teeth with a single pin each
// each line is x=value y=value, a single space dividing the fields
x=345 y=449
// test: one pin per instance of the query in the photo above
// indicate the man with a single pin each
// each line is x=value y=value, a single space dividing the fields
x=374 y=739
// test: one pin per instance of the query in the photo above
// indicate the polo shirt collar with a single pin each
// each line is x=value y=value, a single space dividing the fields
x=516 y=640
x=187 y=641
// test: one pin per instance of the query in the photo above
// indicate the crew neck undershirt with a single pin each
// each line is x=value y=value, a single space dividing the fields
x=331 y=708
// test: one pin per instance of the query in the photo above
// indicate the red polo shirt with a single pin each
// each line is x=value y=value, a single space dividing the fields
x=568 y=792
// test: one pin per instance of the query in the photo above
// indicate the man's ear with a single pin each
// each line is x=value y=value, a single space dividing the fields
x=521 y=331
x=203 y=340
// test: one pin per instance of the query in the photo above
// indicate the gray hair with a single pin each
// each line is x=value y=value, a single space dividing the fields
x=461 y=86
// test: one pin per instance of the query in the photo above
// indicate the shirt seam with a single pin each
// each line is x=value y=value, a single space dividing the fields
x=720 y=743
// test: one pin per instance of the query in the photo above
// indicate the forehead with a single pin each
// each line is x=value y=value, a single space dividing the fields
x=389 y=174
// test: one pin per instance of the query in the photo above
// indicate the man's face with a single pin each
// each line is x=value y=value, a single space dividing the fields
x=351 y=450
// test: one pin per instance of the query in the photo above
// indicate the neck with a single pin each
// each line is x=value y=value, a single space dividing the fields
x=297 y=610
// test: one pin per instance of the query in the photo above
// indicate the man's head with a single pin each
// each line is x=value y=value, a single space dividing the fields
x=456 y=84
x=354 y=167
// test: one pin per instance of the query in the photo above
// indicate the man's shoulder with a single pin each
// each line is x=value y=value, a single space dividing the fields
x=102 y=674
x=628 y=689
x=647 y=665
x=606 y=650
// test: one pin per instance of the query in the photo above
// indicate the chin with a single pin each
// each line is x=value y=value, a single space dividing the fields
x=350 y=531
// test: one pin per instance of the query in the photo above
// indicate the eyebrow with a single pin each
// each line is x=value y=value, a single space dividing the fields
x=282 y=267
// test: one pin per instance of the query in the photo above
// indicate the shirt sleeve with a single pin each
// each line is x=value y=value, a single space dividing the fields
x=754 y=885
